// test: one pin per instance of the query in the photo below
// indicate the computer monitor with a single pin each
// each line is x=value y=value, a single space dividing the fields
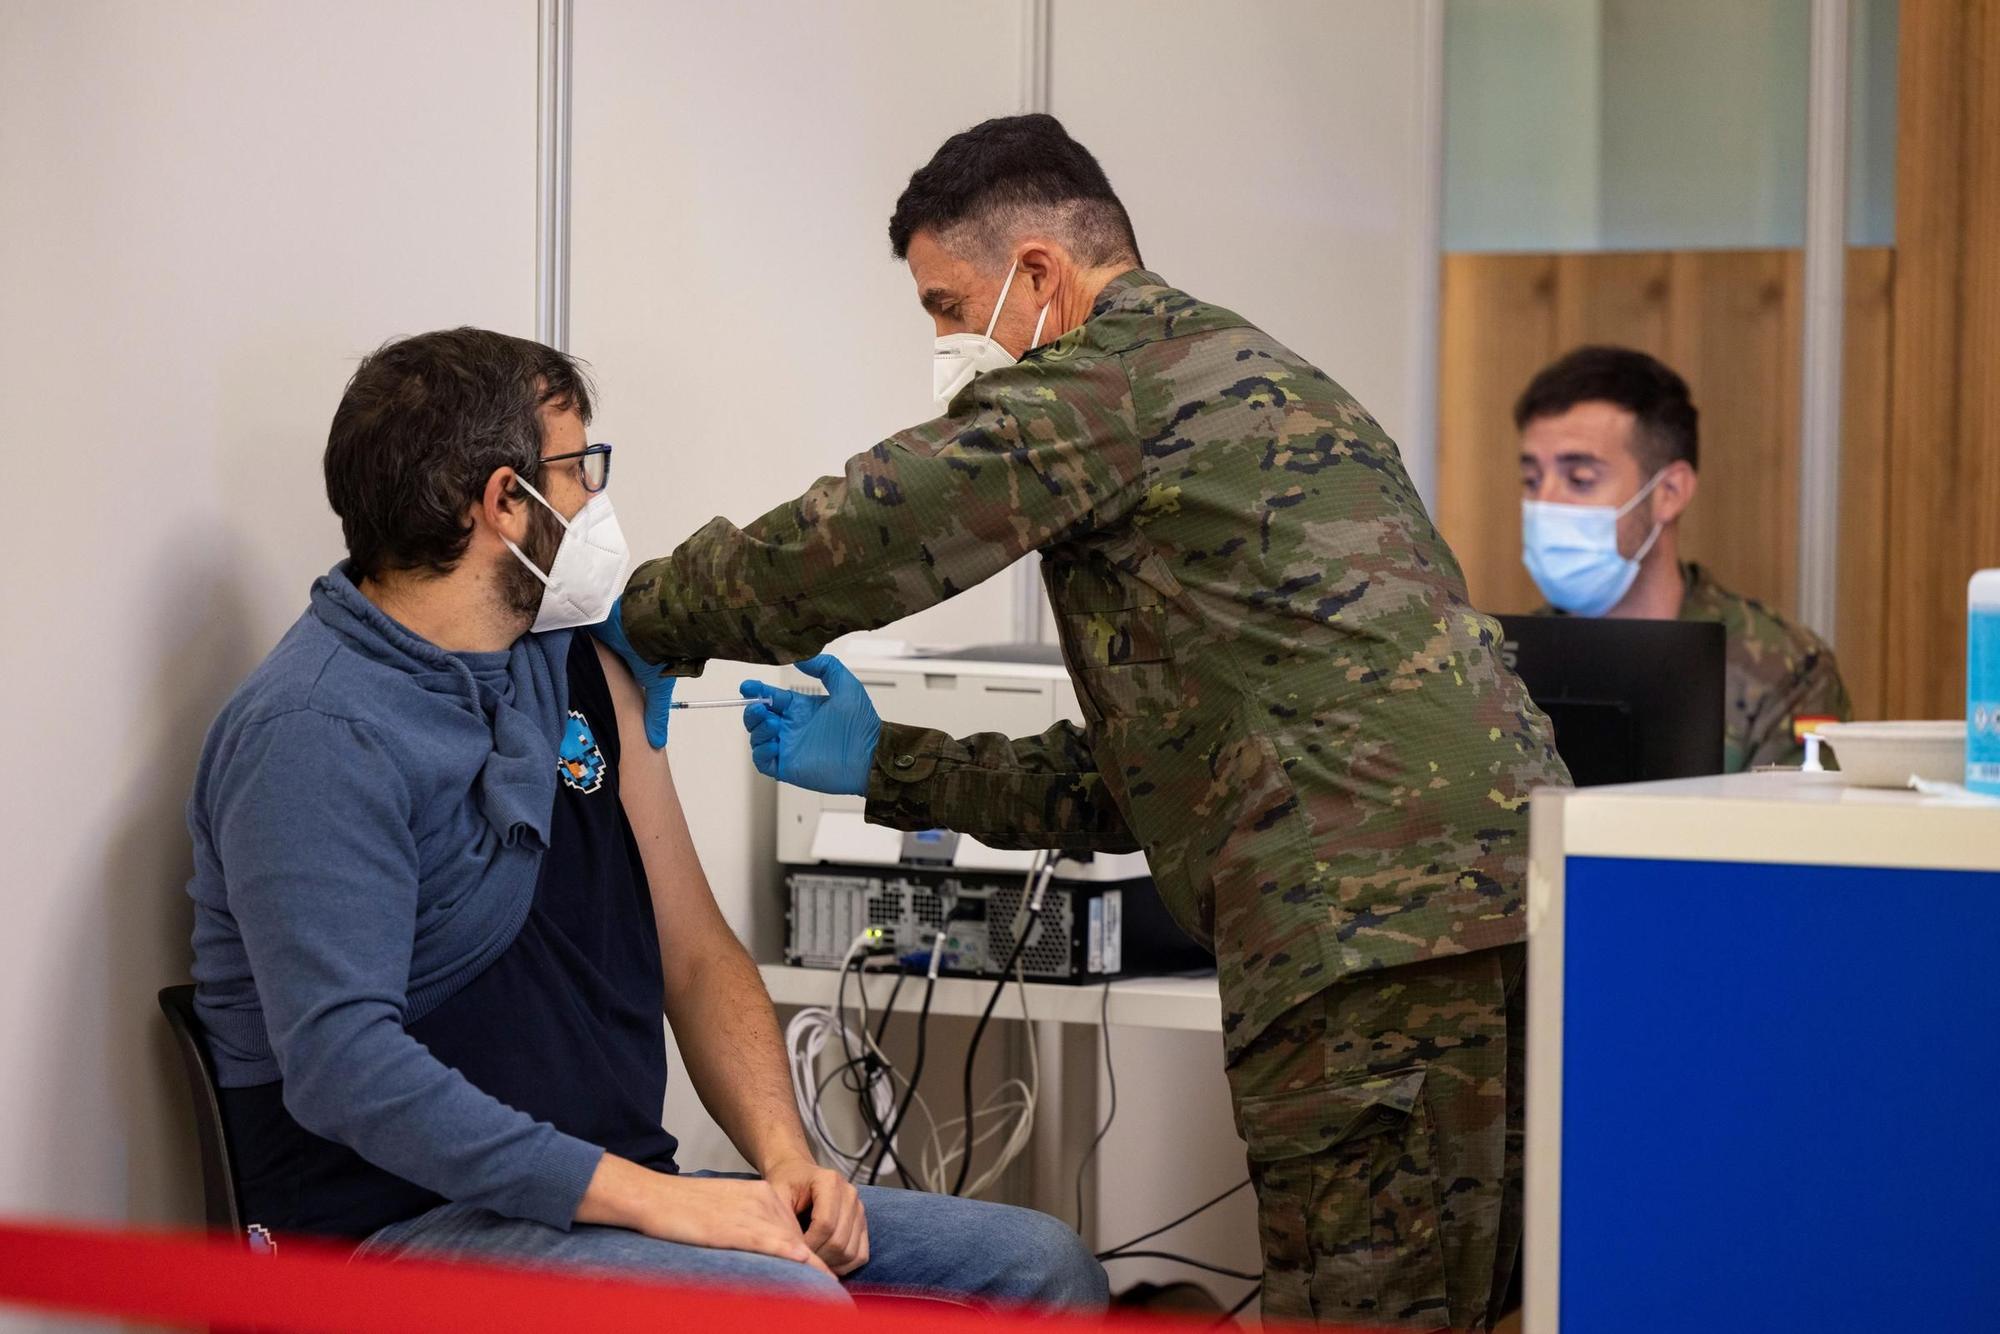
x=1631 y=700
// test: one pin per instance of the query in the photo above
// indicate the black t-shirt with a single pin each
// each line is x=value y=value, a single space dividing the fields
x=565 y=1024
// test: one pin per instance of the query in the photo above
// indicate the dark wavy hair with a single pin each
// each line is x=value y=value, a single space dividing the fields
x=423 y=423
x=1668 y=427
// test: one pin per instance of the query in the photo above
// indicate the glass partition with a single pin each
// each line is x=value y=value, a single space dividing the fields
x=1636 y=125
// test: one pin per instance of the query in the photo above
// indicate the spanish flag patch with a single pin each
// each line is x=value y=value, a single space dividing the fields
x=1804 y=724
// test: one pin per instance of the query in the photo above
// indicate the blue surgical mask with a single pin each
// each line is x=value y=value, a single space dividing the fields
x=1572 y=551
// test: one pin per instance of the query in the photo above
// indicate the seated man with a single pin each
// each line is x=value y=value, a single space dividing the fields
x=444 y=894
x=1608 y=456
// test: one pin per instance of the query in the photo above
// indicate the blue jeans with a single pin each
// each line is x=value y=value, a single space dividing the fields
x=918 y=1243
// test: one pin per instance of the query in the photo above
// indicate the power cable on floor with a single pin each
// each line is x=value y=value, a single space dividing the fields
x=1116 y=1251
x=1111 y=1078
x=1187 y=1260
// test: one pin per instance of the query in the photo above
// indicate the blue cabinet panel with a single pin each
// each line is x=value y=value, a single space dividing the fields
x=1779 y=1098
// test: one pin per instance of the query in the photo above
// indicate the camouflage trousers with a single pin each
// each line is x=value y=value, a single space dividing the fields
x=1383 y=1120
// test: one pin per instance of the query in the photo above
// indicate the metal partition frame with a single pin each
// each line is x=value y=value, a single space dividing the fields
x=552 y=141
x=1825 y=319
x=1030 y=603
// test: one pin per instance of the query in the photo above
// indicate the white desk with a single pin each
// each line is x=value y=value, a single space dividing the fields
x=1068 y=1022
x=1191 y=1004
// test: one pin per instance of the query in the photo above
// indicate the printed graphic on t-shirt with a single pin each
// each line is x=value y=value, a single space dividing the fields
x=580 y=762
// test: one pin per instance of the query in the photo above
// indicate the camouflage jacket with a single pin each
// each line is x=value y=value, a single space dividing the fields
x=1775 y=672
x=1289 y=704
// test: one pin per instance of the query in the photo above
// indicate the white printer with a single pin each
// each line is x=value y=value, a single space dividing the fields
x=1102 y=916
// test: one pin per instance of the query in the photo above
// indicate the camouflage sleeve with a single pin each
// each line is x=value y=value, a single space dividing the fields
x=1036 y=792
x=1030 y=454
x=1818 y=693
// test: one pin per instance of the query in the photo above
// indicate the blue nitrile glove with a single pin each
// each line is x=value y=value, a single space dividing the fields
x=824 y=742
x=652 y=678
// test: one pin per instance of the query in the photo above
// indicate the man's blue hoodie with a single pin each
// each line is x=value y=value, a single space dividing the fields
x=369 y=819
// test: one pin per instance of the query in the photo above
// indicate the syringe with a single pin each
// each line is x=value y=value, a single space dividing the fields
x=734 y=703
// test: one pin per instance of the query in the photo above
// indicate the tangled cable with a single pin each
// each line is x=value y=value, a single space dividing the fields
x=886 y=1096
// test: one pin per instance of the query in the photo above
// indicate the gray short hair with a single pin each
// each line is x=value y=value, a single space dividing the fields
x=988 y=186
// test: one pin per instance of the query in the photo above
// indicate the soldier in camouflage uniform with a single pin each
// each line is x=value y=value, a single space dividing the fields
x=1613 y=427
x=1781 y=679
x=1290 y=706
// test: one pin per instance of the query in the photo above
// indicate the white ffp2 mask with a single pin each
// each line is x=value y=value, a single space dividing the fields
x=588 y=574
x=959 y=359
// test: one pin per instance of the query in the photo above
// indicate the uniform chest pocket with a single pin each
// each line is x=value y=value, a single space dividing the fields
x=1123 y=659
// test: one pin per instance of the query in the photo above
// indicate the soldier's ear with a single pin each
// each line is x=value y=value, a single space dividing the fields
x=1042 y=264
x=1675 y=491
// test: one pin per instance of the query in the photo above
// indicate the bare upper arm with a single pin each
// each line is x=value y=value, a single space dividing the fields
x=680 y=890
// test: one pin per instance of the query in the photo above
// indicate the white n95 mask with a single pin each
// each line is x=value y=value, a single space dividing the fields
x=588 y=574
x=959 y=359
x=1572 y=551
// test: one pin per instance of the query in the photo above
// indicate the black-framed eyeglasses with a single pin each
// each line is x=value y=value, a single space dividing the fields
x=595 y=466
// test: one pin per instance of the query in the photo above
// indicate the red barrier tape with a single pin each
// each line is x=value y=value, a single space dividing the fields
x=196 y=1279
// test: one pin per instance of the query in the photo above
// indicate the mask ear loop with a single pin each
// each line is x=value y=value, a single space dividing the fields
x=1005 y=287
x=1626 y=508
x=518 y=553
x=1641 y=494
x=1647 y=545
x=994 y=322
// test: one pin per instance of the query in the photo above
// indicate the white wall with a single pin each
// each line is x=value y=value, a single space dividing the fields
x=732 y=288
x=209 y=212
x=1275 y=158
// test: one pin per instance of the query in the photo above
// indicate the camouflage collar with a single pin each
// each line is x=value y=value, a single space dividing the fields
x=1701 y=597
x=1132 y=290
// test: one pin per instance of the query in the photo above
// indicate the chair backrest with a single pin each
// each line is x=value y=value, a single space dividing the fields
x=218 y=1177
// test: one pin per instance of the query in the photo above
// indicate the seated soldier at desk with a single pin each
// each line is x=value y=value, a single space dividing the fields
x=444 y=893
x=1609 y=452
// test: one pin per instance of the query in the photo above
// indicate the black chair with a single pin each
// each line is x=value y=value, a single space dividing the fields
x=218 y=1178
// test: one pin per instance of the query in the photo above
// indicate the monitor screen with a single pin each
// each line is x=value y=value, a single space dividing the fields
x=1631 y=701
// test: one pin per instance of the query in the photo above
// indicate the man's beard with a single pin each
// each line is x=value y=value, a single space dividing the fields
x=519 y=588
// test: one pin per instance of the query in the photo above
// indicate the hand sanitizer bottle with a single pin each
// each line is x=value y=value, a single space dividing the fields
x=1982 y=683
